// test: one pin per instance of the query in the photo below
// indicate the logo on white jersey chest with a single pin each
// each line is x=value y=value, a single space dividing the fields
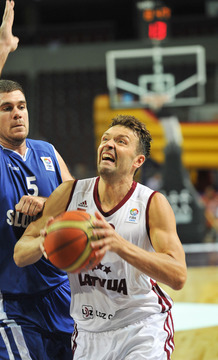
x=132 y=216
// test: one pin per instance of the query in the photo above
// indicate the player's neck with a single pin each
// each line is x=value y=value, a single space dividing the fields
x=112 y=194
x=19 y=147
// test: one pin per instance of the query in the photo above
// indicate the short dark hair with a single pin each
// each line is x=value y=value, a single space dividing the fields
x=7 y=86
x=138 y=128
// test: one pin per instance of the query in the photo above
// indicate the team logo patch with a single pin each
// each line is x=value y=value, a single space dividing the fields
x=133 y=215
x=82 y=206
x=47 y=161
x=87 y=311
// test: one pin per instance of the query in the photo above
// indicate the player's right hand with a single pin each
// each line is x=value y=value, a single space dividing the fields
x=30 y=205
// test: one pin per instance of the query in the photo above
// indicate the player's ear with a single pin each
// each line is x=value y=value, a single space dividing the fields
x=140 y=159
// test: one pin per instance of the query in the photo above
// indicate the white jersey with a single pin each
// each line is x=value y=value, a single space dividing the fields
x=115 y=294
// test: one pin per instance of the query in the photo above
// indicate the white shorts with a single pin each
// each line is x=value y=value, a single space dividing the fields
x=150 y=339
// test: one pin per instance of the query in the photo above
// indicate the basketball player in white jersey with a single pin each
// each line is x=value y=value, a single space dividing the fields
x=120 y=310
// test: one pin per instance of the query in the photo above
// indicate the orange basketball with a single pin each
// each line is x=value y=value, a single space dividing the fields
x=67 y=242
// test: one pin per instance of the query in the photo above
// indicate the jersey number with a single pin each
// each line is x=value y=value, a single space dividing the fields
x=33 y=187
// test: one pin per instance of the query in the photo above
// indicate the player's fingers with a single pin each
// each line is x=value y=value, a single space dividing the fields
x=99 y=216
x=96 y=244
x=43 y=232
x=24 y=205
x=103 y=232
x=100 y=221
x=9 y=12
x=100 y=252
x=30 y=205
x=43 y=251
x=34 y=209
x=7 y=7
x=36 y=206
x=103 y=244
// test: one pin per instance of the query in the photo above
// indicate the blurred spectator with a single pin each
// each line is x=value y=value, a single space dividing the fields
x=155 y=181
x=210 y=200
x=151 y=174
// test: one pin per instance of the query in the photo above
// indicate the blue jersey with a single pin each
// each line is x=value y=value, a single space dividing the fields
x=37 y=173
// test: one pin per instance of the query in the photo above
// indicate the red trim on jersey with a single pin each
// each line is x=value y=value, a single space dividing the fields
x=118 y=206
x=71 y=194
x=166 y=306
x=74 y=336
x=147 y=215
x=162 y=300
x=169 y=328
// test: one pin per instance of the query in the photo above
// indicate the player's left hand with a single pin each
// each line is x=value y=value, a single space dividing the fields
x=110 y=240
x=6 y=37
x=30 y=205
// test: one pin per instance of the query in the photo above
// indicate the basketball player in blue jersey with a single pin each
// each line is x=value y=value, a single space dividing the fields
x=35 y=321
x=120 y=310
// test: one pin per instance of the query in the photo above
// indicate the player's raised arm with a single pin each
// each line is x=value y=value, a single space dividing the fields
x=8 y=42
x=28 y=249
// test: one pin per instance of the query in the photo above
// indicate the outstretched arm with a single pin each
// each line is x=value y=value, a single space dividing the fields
x=28 y=249
x=8 y=42
x=33 y=205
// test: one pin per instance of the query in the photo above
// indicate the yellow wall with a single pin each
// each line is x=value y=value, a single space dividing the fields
x=200 y=140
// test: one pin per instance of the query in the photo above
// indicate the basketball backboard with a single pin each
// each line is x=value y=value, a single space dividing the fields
x=174 y=75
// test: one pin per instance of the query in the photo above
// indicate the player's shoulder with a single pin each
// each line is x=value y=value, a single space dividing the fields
x=38 y=144
x=142 y=190
x=159 y=204
x=154 y=197
x=64 y=186
x=86 y=183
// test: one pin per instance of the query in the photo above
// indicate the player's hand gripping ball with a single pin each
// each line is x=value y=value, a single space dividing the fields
x=68 y=239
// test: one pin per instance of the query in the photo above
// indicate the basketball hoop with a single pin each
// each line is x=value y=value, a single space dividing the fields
x=154 y=87
x=155 y=101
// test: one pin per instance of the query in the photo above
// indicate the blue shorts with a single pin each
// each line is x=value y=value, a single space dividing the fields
x=37 y=328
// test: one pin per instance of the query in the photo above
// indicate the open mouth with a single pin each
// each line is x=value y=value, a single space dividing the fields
x=108 y=157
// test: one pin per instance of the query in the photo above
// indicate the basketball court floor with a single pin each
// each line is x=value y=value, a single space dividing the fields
x=195 y=309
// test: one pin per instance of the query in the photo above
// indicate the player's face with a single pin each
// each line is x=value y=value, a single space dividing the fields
x=117 y=153
x=14 y=120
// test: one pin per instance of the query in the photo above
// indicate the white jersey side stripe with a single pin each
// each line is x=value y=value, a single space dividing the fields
x=7 y=344
x=2 y=312
x=16 y=332
x=20 y=341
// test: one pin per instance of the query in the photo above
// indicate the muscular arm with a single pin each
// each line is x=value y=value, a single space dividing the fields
x=167 y=264
x=33 y=205
x=27 y=250
x=8 y=42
